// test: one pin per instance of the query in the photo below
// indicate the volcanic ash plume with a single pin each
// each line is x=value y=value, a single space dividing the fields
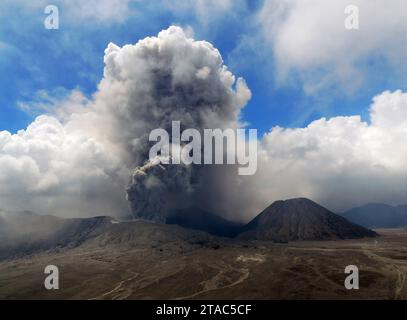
x=156 y=189
x=160 y=80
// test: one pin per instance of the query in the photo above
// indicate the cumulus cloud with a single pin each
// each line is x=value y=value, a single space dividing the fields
x=342 y=161
x=48 y=168
x=309 y=40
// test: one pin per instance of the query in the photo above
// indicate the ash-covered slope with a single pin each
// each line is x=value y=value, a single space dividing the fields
x=301 y=219
x=27 y=233
x=23 y=233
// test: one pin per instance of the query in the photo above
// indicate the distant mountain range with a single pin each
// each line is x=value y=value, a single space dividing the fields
x=378 y=215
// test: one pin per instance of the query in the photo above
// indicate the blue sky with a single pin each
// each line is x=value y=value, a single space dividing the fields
x=34 y=59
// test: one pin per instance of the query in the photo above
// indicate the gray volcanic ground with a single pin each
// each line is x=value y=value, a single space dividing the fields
x=103 y=258
x=141 y=260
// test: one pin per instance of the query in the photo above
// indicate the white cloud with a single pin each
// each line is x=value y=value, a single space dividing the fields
x=114 y=11
x=204 y=11
x=341 y=161
x=59 y=102
x=99 y=10
x=309 y=40
x=49 y=168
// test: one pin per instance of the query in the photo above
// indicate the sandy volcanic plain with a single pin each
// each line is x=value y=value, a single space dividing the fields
x=153 y=263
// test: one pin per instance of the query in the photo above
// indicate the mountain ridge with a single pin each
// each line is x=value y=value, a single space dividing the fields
x=378 y=215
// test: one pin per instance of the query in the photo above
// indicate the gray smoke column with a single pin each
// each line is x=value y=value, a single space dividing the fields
x=152 y=83
x=156 y=189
